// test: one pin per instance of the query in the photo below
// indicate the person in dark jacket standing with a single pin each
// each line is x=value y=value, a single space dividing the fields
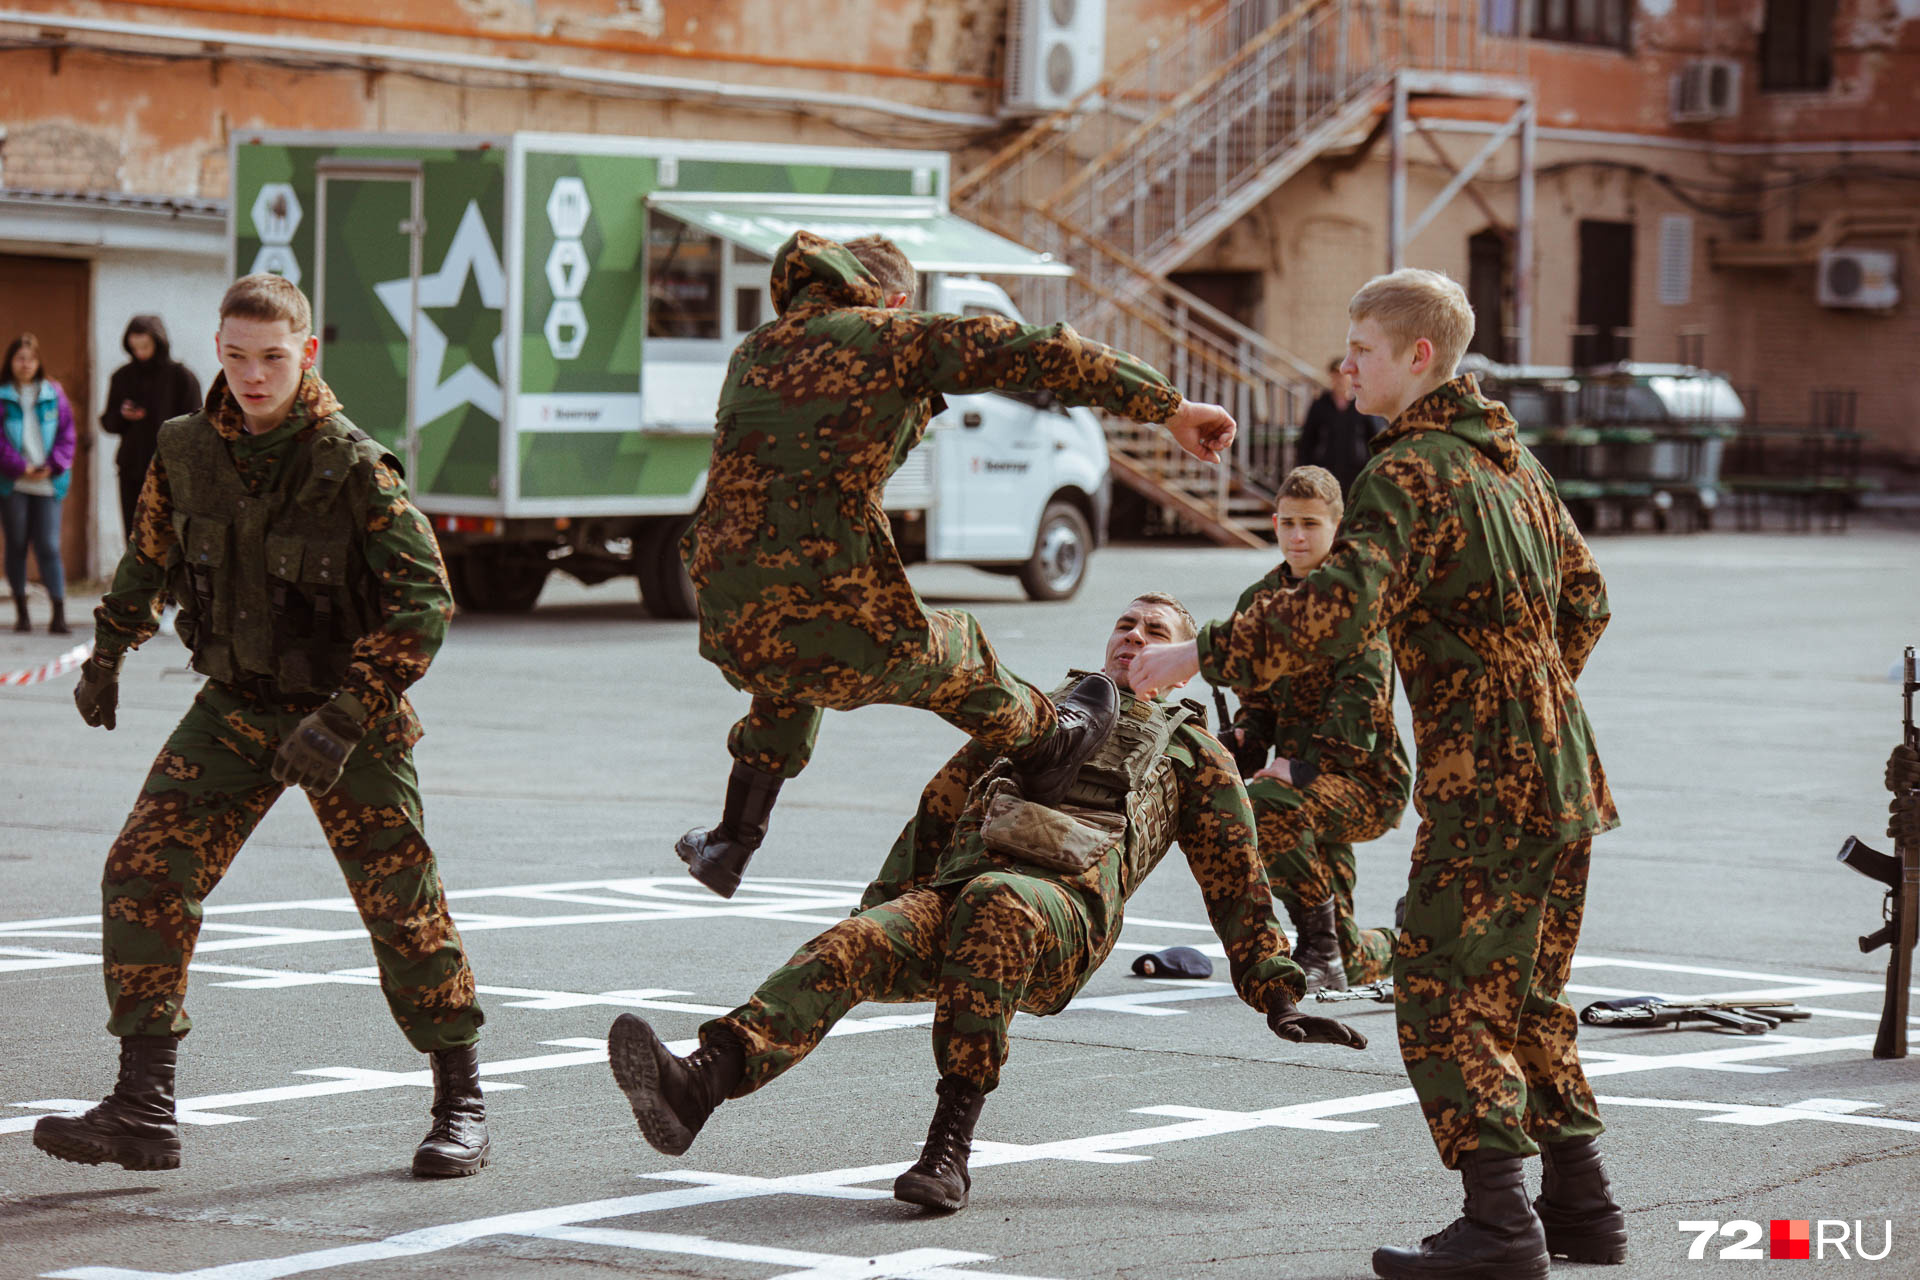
x=1336 y=434
x=143 y=393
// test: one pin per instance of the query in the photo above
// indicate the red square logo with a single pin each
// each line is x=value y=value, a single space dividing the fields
x=1790 y=1238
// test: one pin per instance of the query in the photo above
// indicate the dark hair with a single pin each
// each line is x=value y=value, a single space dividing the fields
x=154 y=327
x=886 y=263
x=26 y=342
x=1333 y=365
x=1173 y=603
x=267 y=297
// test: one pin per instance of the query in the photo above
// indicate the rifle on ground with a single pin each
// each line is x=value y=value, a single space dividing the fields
x=1250 y=757
x=1901 y=910
x=1748 y=1017
x=1380 y=992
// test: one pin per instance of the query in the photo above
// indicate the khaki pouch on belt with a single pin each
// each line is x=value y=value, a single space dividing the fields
x=1065 y=839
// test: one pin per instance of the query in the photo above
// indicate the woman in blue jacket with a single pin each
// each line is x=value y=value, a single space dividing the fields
x=36 y=462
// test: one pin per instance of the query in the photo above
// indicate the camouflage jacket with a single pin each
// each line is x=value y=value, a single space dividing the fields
x=399 y=546
x=1334 y=723
x=941 y=844
x=1456 y=544
x=820 y=406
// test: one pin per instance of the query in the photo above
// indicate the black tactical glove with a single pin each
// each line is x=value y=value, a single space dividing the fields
x=315 y=753
x=98 y=693
x=1903 y=769
x=1289 y=1023
x=1904 y=825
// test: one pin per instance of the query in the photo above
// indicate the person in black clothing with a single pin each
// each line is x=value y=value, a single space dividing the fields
x=144 y=393
x=1336 y=433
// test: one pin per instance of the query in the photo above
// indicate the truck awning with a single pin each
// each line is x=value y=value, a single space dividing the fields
x=932 y=238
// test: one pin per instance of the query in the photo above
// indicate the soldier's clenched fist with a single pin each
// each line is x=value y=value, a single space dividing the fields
x=98 y=693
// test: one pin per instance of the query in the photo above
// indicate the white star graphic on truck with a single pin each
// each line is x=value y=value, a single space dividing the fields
x=471 y=254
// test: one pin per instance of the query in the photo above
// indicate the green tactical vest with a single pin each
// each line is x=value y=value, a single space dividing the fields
x=272 y=586
x=1132 y=774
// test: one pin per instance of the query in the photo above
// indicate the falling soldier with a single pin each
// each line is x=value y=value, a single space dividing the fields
x=802 y=598
x=988 y=904
x=312 y=594
x=1338 y=775
x=1456 y=544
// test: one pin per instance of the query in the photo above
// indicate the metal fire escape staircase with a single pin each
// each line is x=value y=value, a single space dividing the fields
x=1158 y=160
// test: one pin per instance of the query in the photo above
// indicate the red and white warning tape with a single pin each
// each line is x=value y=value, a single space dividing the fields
x=68 y=661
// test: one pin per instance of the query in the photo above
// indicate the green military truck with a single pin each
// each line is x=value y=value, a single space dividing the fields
x=538 y=324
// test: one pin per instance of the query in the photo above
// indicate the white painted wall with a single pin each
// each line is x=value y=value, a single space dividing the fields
x=184 y=290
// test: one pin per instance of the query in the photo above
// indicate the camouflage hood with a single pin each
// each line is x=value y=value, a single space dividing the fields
x=813 y=271
x=1459 y=409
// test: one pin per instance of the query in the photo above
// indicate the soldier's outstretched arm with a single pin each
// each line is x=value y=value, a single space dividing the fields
x=1360 y=702
x=415 y=601
x=1581 y=613
x=963 y=355
x=1382 y=556
x=1223 y=851
x=917 y=850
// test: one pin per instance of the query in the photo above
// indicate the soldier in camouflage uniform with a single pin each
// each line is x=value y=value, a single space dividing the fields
x=1338 y=775
x=803 y=600
x=1456 y=544
x=988 y=904
x=312 y=594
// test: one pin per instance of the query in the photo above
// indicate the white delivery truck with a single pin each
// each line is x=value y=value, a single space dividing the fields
x=538 y=326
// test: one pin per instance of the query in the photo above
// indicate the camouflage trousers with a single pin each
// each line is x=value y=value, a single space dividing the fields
x=207 y=791
x=1479 y=976
x=982 y=950
x=1306 y=840
x=955 y=674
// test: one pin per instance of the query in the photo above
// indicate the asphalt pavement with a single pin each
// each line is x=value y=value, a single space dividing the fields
x=1743 y=705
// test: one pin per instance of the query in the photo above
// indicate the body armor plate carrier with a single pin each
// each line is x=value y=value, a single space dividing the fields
x=273 y=588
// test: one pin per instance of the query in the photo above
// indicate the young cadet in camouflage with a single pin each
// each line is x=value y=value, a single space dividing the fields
x=1338 y=774
x=1456 y=544
x=312 y=594
x=957 y=916
x=803 y=600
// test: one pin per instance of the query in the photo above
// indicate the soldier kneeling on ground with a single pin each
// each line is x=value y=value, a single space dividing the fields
x=1338 y=776
x=989 y=904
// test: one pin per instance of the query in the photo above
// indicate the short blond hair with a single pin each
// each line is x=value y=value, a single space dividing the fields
x=1410 y=304
x=1173 y=603
x=267 y=297
x=886 y=263
x=1313 y=482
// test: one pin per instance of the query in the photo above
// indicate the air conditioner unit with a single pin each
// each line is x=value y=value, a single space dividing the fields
x=1706 y=89
x=1859 y=278
x=1056 y=50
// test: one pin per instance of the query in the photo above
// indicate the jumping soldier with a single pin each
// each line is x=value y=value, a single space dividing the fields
x=312 y=594
x=1458 y=547
x=988 y=904
x=803 y=600
x=1338 y=775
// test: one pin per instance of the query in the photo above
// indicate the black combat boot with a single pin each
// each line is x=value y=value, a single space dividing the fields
x=1316 y=947
x=133 y=1126
x=938 y=1179
x=21 y=622
x=672 y=1097
x=1083 y=721
x=1576 y=1206
x=457 y=1144
x=1497 y=1236
x=57 y=625
x=717 y=856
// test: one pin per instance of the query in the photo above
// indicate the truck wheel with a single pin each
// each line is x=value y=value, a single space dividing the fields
x=664 y=583
x=1060 y=552
x=497 y=581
